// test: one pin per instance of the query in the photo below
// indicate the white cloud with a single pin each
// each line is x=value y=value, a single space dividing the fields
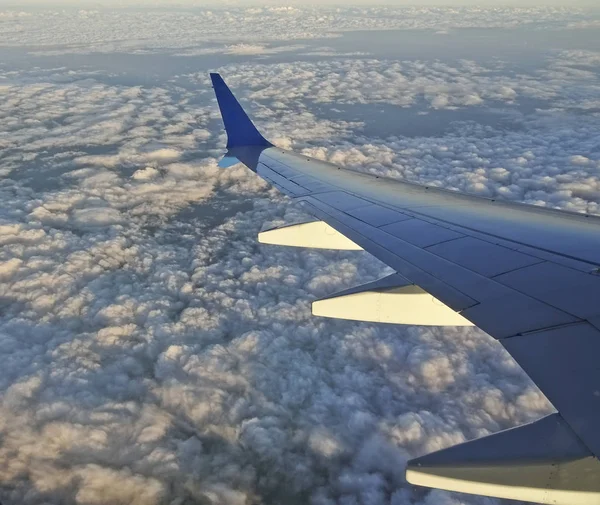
x=152 y=351
x=145 y=173
x=53 y=31
x=580 y=57
x=242 y=49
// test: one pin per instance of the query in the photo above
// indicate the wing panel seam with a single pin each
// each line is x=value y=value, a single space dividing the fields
x=516 y=269
x=546 y=328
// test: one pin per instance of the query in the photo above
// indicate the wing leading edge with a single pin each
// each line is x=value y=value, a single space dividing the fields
x=526 y=275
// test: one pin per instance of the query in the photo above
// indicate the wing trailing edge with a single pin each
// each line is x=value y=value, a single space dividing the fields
x=542 y=462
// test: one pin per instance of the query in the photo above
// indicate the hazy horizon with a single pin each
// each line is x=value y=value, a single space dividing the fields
x=329 y=3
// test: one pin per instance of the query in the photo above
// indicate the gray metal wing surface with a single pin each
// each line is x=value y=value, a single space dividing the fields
x=526 y=275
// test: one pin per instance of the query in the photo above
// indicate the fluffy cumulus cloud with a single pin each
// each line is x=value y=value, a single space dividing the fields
x=54 y=31
x=153 y=352
x=550 y=157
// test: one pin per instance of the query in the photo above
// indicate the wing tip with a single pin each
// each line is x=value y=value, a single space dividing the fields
x=216 y=79
x=240 y=129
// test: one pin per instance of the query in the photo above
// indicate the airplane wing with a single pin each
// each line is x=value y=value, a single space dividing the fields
x=526 y=275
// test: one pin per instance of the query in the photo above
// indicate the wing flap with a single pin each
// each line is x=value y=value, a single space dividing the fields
x=564 y=363
x=543 y=462
x=548 y=439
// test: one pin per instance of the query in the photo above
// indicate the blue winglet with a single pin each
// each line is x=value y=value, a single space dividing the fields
x=239 y=128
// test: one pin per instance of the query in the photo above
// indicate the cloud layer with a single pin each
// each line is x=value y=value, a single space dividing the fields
x=153 y=352
x=51 y=31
